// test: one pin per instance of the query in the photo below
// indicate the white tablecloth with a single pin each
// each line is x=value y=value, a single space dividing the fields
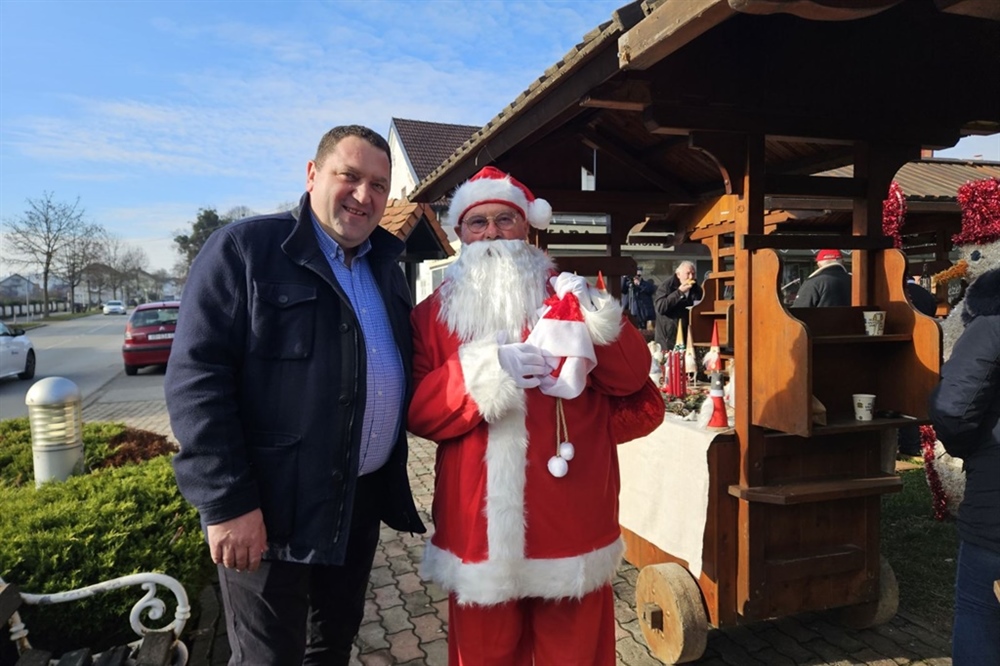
x=664 y=496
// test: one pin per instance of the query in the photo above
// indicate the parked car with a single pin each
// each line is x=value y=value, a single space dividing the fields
x=17 y=355
x=149 y=334
x=115 y=307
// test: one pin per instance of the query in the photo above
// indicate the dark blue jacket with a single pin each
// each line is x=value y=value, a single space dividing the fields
x=266 y=386
x=965 y=409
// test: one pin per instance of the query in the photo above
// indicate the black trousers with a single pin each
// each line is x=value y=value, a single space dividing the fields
x=286 y=613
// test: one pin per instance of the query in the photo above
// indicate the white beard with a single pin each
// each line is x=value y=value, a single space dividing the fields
x=494 y=287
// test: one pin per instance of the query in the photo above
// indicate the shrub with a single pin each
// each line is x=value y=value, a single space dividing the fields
x=110 y=522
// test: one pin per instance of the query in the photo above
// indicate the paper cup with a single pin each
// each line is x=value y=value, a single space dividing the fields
x=874 y=322
x=864 y=406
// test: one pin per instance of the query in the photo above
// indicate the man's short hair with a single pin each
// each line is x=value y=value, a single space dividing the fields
x=334 y=136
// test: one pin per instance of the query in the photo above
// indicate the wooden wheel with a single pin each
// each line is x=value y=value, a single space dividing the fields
x=671 y=613
x=876 y=612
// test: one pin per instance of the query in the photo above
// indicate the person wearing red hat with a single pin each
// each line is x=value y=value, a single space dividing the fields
x=516 y=369
x=828 y=285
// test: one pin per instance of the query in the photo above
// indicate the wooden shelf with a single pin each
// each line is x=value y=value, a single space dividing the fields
x=860 y=339
x=804 y=492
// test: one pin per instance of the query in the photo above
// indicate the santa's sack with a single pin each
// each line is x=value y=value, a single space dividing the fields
x=636 y=415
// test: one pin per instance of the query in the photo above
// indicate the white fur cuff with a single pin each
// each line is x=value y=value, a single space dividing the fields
x=486 y=382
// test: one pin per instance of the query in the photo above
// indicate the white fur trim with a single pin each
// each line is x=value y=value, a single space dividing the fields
x=499 y=190
x=496 y=581
x=604 y=323
x=487 y=383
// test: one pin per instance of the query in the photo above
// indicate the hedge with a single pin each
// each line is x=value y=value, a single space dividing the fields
x=106 y=523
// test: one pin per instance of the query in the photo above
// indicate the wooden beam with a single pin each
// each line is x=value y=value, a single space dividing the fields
x=728 y=152
x=621 y=153
x=667 y=28
x=593 y=201
x=814 y=10
x=613 y=104
x=669 y=117
x=820 y=186
x=813 y=242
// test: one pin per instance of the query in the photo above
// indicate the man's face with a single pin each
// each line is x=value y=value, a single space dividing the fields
x=685 y=273
x=491 y=212
x=349 y=189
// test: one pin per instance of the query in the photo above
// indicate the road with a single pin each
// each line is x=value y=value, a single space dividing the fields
x=86 y=351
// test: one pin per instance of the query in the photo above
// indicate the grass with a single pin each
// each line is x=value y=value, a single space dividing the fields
x=921 y=550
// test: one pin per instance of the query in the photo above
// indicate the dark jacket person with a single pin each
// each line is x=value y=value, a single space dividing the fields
x=673 y=298
x=965 y=409
x=287 y=386
x=829 y=285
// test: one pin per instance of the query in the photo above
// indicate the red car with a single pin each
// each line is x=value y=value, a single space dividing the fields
x=149 y=335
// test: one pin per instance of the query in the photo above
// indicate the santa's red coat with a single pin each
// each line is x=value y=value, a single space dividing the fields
x=505 y=528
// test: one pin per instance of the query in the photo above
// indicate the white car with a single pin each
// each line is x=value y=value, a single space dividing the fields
x=17 y=356
x=114 y=307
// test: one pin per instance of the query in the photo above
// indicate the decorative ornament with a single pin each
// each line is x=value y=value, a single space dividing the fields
x=938 y=496
x=893 y=213
x=980 y=204
x=559 y=463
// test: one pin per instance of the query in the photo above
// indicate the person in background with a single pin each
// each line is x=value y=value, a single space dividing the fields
x=827 y=286
x=286 y=390
x=637 y=298
x=965 y=411
x=671 y=302
x=526 y=537
x=923 y=302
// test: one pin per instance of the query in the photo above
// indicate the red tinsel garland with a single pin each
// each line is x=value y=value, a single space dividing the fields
x=939 y=498
x=980 y=204
x=893 y=212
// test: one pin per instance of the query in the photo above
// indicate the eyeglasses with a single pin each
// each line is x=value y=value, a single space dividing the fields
x=504 y=221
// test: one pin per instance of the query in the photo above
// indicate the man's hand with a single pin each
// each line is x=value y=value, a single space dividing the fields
x=567 y=282
x=239 y=543
x=524 y=362
x=686 y=286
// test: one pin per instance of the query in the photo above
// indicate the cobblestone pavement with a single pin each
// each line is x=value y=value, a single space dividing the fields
x=405 y=620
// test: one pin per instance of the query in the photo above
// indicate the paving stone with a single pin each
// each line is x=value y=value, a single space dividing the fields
x=402 y=564
x=428 y=627
x=795 y=629
x=437 y=652
x=381 y=577
x=371 y=612
x=387 y=597
x=784 y=644
x=405 y=646
x=746 y=638
x=772 y=657
x=380 y=658
x=409 y=582
x=838 y=636
x=730 y=651
x=371 y=637
x=872 y=658
x=830 y=655
x=396 y=619
x=898 y=652
x=634 y=654
x=417 y=603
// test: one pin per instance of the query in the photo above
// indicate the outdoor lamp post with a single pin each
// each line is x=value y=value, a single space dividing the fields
x=55 y=411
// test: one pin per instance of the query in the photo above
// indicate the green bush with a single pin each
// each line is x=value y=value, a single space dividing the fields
x=91 y=528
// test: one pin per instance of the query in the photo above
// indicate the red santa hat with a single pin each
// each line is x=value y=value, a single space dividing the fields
x=491 y=185
x=563 y=333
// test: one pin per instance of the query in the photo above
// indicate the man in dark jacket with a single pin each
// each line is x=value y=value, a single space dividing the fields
x=673 y=298
x=829 y=285
x=965 y=409
x=637 y=298
x=287 y=385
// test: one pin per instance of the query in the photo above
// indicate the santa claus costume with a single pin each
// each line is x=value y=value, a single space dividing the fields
x=526 y=536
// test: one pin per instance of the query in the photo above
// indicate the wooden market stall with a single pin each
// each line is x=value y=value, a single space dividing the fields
x=697 y=116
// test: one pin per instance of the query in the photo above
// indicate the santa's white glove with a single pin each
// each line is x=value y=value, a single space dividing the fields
x=524 y=362
x=565 y=283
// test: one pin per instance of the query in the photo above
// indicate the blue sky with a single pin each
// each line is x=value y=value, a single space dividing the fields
x=148 y=111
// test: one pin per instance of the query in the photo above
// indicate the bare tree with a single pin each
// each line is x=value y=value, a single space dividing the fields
x=41 y=232
x=82 y=249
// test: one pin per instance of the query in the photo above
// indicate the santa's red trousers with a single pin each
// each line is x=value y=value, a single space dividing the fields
x=569 y=632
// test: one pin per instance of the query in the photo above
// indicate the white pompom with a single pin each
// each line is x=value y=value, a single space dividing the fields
x=558 y=467
x=566 y=451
